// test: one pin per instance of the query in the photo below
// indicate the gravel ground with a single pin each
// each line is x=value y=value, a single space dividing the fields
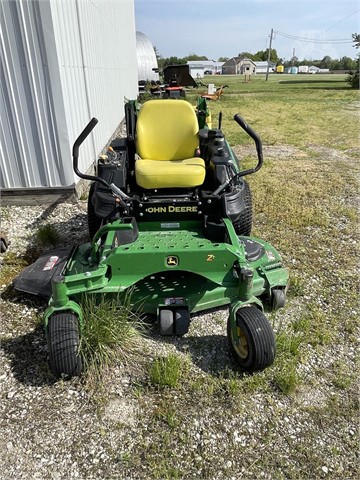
x=218 y=424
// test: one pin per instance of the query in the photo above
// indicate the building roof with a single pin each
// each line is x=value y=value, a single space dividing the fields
x=204 y=63
x=264 y=64
x=146 y=58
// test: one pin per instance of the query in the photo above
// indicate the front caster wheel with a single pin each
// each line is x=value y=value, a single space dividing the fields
x=254 y=344
x=63 y=342
x=278 y=298
x=166 y=322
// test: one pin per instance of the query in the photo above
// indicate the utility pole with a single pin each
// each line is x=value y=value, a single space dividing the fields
x=269 y=53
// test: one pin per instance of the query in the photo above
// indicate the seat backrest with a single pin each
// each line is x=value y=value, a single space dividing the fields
x=166 y=130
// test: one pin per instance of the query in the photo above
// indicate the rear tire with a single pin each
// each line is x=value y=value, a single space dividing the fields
x=94 y=223
x=256 y=346
x=243 y=224
x=63 y=342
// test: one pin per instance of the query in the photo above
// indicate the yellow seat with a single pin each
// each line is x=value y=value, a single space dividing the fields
x=166 y=141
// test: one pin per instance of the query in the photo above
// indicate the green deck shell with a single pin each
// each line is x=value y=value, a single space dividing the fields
x=164 y=263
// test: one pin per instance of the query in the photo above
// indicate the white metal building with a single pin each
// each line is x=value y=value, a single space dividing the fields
x=199 y=67
x=262 y=67
x=61 y=64
x=146 y=58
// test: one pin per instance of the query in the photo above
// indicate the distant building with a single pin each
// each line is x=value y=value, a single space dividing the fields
x=199 y=68
x=239 y=66
x=303 y=69
x=313 y=69
x=262 y=67
x=230 y=66
x=246 y=67
x=146 y=58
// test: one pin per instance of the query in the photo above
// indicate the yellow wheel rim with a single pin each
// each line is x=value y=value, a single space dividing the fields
x=241 y=348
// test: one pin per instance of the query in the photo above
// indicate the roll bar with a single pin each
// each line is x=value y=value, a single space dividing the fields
x=75 y=154
x=241 y=122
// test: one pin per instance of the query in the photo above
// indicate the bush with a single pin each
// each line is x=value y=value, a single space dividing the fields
x=353 y=79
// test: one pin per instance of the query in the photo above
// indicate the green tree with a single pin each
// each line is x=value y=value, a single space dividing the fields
x=173 y=61
x=246 y=55
x=325 y=62
x=223 y=59
x=194 y=57
x=353 y=77
x=347 y=63
x=262 y=55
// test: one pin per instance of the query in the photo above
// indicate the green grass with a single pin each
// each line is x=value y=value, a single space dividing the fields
x=47 y=235
x=111 y=334
x=287 y=110
x=168 y=371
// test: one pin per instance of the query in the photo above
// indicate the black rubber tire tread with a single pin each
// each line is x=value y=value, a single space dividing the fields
x=278 y=298
x=166 y=322
x=181 y=321
x=259 y=336
x=3 y=246
x=63 y=342
x=243 y=225
x=94 y=223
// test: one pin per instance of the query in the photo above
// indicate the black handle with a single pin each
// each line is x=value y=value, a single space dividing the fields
x=85 y=133
x=240 y=121
x=75 y=153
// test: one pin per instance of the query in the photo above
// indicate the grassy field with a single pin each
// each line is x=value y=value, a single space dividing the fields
x=178 y=408
x=293 y=109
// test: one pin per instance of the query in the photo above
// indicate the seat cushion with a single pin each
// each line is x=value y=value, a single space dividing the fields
x=188 y=173
x=166 y=130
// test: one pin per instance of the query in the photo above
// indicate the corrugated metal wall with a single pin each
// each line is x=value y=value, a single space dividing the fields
x=61 y=63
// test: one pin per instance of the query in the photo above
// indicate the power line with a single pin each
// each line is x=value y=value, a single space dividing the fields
x=315 y=40
x=342 y=20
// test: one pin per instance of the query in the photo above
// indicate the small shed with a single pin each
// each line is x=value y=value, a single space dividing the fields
x=246 y=67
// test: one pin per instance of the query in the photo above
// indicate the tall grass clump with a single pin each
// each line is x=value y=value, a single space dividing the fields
x=47 y=235
x=110 y=334
x=167 y=371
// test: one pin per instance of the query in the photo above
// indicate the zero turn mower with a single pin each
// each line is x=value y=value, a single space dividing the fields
x=170 y=220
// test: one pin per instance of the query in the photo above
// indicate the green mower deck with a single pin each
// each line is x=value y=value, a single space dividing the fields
x=179 y=266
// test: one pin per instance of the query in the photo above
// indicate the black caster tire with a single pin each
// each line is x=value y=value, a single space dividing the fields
x=3 y=246
x=278 y=298
x=182 y=321
x=94 y=223
x=63 y=341
x=243 y=224
x=256 y=348
x=166 y=322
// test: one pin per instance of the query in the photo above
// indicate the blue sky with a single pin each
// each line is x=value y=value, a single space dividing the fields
x=223 y=28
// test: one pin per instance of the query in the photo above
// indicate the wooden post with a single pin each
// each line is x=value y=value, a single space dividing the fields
x=269 y=53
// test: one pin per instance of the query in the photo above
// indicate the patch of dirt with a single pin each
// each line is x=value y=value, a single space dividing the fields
x=270 y=151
